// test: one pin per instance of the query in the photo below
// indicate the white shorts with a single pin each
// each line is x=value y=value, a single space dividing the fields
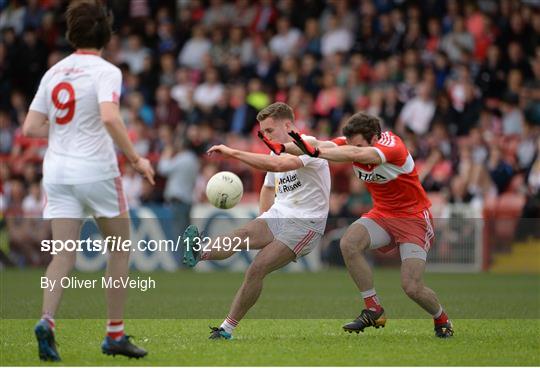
x=301 y=240
x=380 y=238
x=100 y=199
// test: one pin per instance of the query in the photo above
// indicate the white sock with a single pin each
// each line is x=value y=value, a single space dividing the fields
x=47 y=317
x=438 y=314
x=229 y=324
x=368 y=293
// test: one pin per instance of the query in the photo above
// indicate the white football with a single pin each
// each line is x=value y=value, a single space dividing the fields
x=224 y=190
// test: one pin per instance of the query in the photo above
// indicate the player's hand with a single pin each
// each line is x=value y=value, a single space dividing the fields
x=307 y=148
x=222 y=149
x=275 y=147
x=144 y=167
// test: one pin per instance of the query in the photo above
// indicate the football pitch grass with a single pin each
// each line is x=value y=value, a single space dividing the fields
x=297 y=321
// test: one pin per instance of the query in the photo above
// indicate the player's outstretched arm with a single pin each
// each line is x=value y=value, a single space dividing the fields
x=110 y=114
x=266 y=198
x=260 y=161
x=306 y=145
x=36 y=125
x=293 y=149
x=363 y=155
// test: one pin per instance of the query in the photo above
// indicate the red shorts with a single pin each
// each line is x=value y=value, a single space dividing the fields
x=414 y=228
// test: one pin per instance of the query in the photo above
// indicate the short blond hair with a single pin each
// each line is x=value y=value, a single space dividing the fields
x=278 y=111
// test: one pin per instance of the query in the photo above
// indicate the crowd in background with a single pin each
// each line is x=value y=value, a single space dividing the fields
x=459 y=81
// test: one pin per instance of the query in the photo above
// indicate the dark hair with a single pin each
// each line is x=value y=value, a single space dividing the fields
x=277 y=110
x=361 y=123
x=88 y=25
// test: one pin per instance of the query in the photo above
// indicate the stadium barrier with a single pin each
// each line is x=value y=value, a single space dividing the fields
x=458 y=245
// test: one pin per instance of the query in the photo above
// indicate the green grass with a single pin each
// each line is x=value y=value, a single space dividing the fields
x=296 y=322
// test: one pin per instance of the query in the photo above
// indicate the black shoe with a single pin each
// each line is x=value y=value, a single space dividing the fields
x=217 y=333
x=367 y=318
x=46 y=344
x=444 y=330
x=122 y=347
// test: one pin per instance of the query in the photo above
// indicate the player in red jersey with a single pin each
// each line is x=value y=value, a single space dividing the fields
x=400 y=216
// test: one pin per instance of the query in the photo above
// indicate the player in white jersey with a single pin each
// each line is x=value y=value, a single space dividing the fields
x=77 y=107
x=294 y=202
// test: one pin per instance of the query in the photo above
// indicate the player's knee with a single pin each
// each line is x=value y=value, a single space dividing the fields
x=413 y=288
x=242 y=233
x=350 y=245
x=119 y=254
x=65 y=260
x=256 y=271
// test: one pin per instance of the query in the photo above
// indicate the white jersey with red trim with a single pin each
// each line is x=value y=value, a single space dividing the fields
x=302 y=195
x=394 y=184
x=80 y=149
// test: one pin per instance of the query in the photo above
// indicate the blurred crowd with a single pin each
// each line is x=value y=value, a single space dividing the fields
x=458 y=80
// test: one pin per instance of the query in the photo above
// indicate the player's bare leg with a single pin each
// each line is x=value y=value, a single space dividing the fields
x=412 y=271
x=353 y=245
x=272 y=257
x=117 y=264
x=255 y=234
x=60 y=266
x=116 y=342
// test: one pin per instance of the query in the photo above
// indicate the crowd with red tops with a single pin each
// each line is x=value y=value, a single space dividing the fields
x=459 y=81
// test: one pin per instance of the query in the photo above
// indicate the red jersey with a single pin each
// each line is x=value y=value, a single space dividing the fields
x=393 y=184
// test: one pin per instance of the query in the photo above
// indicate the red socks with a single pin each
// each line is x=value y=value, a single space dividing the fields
x=115 y=330
x=440 y=317
x=371 y=300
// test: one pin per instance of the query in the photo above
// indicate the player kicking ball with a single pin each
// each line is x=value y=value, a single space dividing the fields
x=294 y=203
x=76 y=106
x=400 y=216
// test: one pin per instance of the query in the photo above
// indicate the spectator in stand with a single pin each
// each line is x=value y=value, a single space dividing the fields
x=195 y=49
x=219 y=13
x=243 y=115
x=455 y=43
x=182 y=92
x=22 y=241
x=433 y=40
x=166 y=111
x=413 y=38
x=240 y=46
x=311 y=38
x=133 y=185
x=134 y=54
x=418 y=112
x=140 y=108
x=327 y=99
x=512 y=118
x=287 y=40
x=13 y=16
x=265 y=16
x=243 y=13
x=336 y=39
x=180 y=165
x=257 y=97
x=34 y=201
x=6 y=133
x=208 y=94
x=491 y=76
